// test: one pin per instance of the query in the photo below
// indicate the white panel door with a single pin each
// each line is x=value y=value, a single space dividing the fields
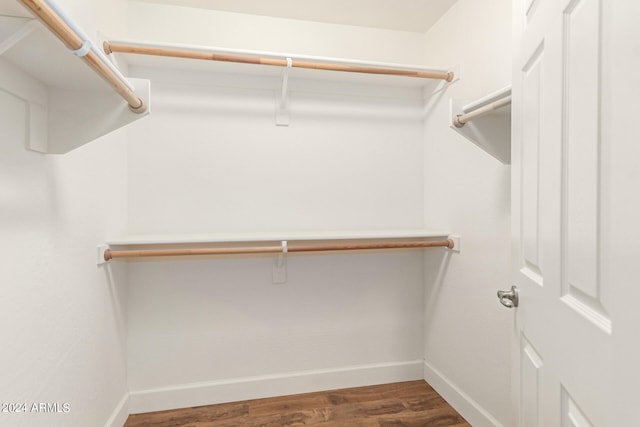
x=567 y=74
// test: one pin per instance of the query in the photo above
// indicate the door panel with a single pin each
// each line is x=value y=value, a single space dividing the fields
x=581 y=167
x=530 y=366
x=571 y=413
x=531 y=87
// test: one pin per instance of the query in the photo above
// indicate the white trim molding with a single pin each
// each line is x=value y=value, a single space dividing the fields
x=246 y=388
x=475 y=414
x=120 y=414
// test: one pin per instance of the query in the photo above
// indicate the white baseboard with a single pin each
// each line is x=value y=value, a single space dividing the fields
x=237 y=389
x=120 y=413
x=475 y=414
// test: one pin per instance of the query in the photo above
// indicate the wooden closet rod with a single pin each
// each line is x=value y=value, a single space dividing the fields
x=61 y=28
x=461 y=119
x=110 y=254
x=110 y=47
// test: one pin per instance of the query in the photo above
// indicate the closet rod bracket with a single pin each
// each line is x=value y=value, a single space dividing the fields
x=104 y=254
x=454 y=243
x=280 y=269
x=282 y=113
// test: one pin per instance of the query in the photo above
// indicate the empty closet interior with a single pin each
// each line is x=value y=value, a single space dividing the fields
x=204 y=206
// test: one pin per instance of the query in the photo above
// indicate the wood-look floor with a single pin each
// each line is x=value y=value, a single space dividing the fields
x=407 y=404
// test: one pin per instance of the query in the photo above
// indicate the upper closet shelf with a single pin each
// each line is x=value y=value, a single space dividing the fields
x=275 y=59
x=486 y=122
x=274 y=237
x=280 y=72
x=272 y=64
x=69 y=103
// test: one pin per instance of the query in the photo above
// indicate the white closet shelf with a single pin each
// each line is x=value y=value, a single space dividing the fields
x=242 y=244
x=486 y=122
x=134 y=247
x=68 y=104
x=141 y=240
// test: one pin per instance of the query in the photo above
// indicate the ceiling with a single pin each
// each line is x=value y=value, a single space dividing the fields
x=401 y=15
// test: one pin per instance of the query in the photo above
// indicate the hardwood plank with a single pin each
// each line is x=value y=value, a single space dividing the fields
x=406 y=404
x=183 y=417
x=278 y=405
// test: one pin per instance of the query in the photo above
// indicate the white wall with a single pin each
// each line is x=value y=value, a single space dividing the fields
x=211 y=160
x=466 y=330
x=62 y=318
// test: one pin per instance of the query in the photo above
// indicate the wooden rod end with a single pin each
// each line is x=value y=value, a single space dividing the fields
x=450 y=76
x=451 y=244
x=140 y=108
x=107 y=255
x=456 y=121
x=106 y=47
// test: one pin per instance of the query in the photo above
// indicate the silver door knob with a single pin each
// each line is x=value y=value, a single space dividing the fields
x=509 y=298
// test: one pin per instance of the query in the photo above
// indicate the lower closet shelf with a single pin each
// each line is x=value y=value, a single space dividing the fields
x=225 y=244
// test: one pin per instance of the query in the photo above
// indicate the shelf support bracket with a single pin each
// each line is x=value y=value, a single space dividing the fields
x=282 y=114
x=280 y=269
